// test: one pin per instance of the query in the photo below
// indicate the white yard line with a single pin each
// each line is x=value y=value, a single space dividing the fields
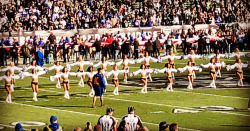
x=82 y=113
x=13 y=127
x=149 y=103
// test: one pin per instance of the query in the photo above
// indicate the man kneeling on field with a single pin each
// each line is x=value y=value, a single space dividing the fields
x=54 y=126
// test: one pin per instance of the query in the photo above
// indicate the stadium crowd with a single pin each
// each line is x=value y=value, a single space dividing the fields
x=130 y=122
x=19 y=15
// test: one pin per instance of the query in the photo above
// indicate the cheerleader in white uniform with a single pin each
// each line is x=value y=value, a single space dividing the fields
x=80 y=63
x=237 y=54
x=104 y=64
x=65 y=76
x=34 y=66
x=212 y=65
x=239 y=72
x=125 y=61
x=218 y=63
x=57 y=67
x=34 y=83
x=171 y=58
x=115 y=79
x=169 y=72
x=8 y=78
x=147 y=60
x=12 y=69
x=90 y=73
x=190 y=68
x=144 y=72
x=192 y=56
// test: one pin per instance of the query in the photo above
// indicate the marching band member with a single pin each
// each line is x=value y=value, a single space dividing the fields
x=80 y=63
x=144 y=72
x=212 y=66
x=217 y=62
x=239 y=72
x=34 y=66
x=34 y=83
x=125 y=61
x=190 y=68
x=169 y=72
x=146 y=60
x=12 y=69
x=192 y=56
x=90 y=73
x=65 y=76
x=171 y=58
x=8 y=79
x=115 y=79
x=57 y=67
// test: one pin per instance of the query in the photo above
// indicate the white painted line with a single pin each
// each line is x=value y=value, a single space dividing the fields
x=13 y=127
x=88 y=114
x=141 y=102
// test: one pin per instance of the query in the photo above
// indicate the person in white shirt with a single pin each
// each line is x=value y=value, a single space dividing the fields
x=65 y=76
x=190 y=68
x=132 y=120
x=12 y=69
x=169 y=71
x=125 y=61
x=57 y=67
x=8 y=78
x=90 y=73
x=107 y=121
x=115 y=79
x=144 y=72
x=239 y=72
x=34 y=83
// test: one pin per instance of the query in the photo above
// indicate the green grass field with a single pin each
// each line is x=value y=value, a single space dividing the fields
x=154 y=107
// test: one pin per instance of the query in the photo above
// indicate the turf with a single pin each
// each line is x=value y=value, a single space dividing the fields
x=154 y=107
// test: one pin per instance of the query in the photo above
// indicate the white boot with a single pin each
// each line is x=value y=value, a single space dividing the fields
x=10 y=101
x=213 y=84
x=143 y=89
x=168 y=87
x=12 y=87
x=171 y=87
x=7 y=99
x=241 y=82
x=67 y=95
x=146 y=89
x=194 y=75
x=81 y=82
x=238 y=83
x=218 y=74
x=173 y=76
x=149 y=76
x=58 y=85
x=34 y=96
x=125 y=79
x=92 y=93
x=116 y=91
x=190 y=86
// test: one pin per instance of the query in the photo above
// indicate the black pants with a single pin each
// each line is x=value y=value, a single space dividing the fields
x=15 y=60
x=136 y=53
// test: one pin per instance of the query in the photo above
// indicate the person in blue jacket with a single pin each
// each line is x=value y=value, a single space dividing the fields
x=39 y=57
x=99 y=86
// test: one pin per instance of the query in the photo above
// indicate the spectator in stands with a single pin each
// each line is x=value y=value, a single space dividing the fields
x=163 y=126
x=54 y=125
x=173 y=127
x=26 y=53
x=19 y=127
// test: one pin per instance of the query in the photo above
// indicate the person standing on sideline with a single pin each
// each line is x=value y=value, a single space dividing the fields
x=14 y=54
x=39 y=57
x=99 y=86
x=136 y=49
x=157 y=45
x=108 y=122
x=132 y=120
x=25 y=52
x=116 y=48
x=97 y=46
x=47 y=52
